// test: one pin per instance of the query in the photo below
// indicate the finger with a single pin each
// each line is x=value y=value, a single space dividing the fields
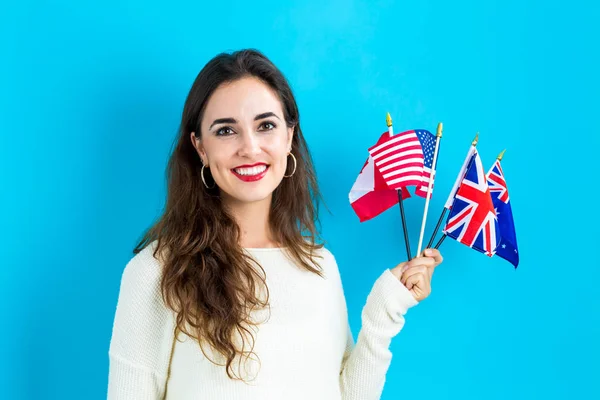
x=427 y=262
x=398 y=269
x=435 y=254
x=423 y=261
x=419 y=279
x=420 y=269
x=419 y=285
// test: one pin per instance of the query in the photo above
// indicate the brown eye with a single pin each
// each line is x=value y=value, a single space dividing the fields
x=266 y=126
x=225 y=131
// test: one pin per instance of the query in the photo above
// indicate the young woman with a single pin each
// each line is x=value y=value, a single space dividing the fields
x=231 y=295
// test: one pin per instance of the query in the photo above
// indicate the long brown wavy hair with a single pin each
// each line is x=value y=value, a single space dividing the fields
x=208 y=279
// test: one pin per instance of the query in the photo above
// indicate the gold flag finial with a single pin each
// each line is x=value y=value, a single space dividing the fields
x=388 y=120
x=474 y=142
x=439 y=129
x=501 y=155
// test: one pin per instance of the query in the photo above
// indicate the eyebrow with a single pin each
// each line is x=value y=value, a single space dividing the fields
x=234 y=121
x=223 y=121
x=266 y=115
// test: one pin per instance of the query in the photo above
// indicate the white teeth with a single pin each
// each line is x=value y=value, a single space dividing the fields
x=251 y=171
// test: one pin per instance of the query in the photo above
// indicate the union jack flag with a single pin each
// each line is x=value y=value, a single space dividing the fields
x=472 y=220
x=399 y=158
x=507 y=247
x=428 y=141
x=459 y=177
x=497 y=183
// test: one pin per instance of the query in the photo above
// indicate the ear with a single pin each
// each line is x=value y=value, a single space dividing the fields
x=197 y=143
x=290 y=136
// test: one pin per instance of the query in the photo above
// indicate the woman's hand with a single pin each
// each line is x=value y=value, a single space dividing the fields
x=416 y=274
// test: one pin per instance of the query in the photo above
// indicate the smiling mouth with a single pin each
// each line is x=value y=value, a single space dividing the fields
x=250 y=173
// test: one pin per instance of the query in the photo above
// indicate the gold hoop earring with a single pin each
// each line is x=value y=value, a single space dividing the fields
x=203 y=181
x=294 y=171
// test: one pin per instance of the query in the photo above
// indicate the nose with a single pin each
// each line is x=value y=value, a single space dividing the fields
x=250 y=145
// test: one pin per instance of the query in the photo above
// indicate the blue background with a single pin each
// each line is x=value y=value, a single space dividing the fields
x=90 y=101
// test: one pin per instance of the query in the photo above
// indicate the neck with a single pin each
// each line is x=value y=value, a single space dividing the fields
x=253 y=220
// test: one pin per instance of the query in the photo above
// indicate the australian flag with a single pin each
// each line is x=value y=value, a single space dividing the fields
x=472 y=220
x=427 y=140
x=507 y=247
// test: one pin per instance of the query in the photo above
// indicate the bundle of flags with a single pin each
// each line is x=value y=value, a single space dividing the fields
x=480 y=214
x=394 y=163
x=480 y=210
x=371 y=194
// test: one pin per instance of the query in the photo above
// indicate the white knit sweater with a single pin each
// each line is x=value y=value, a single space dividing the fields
x=305 y=347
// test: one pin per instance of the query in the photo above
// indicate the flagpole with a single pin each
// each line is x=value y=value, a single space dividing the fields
x=401 y=202
x=439 y=243
x=443 y=214
x=501 y=155
x=388 y=120
x=437 y=227
x=430 y=185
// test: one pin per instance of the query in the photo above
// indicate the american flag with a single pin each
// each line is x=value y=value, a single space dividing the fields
x=472 y=220
x=370 y=195
x=399 y=158
x=427 y=140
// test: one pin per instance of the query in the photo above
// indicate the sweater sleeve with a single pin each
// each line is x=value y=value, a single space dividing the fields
x=365 y=365
x=140 y=343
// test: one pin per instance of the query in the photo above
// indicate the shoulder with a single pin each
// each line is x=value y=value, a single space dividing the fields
x=141 y=280
x=326 y=254
x=327 y=261
x=322 y=256
x=143 y=324
x=143 y=268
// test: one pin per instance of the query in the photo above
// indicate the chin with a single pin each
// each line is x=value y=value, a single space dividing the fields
x=241 y=190
x=252 y=199
x=248 y=196
x=250 y=193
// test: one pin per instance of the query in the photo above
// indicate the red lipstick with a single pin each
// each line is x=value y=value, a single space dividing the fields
x=250 y=178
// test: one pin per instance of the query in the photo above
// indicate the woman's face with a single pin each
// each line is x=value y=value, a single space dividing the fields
x=244 y=140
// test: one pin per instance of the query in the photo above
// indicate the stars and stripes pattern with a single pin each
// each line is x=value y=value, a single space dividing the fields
x=370 y=195
x=400 y=159
x=428 y=141
x=472 y=220
x=507 y=247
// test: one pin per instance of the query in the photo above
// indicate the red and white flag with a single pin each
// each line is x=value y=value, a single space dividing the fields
x=400 y=159
x=370 y=195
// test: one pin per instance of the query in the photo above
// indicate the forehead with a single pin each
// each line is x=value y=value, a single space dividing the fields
x=241 y=99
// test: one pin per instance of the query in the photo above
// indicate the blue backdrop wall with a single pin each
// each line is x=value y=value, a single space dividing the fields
x=90 y=100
